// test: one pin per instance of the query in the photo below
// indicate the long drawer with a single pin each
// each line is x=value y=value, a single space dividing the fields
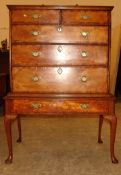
x=85 y=17
x=46 y=106
x=60 y=79
x=35 y=16
x=43 y=55
x=57 y=34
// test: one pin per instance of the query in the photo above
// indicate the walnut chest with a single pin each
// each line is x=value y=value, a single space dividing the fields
x=60 y=64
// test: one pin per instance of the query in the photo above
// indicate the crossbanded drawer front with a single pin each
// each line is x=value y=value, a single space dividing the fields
x=43 y=55
x=60 y=79
x=32 y=106
x=35 y=16
x=85 y=17
x=59 y=34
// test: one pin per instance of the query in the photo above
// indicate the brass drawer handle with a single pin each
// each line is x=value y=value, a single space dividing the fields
x=85 y=34
x=85 y=17
x=84 y=106
x=35 y=78
x=35 y=54
x=36 y=106
x=36 y=16
x=83 y=78
x=60 y=49
x=84 y=54
x=35 y=33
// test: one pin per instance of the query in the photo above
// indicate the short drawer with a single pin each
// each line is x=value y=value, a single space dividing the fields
x=35 y=16
x=56 y=34
x=60 y=79
x=43 y=55
x=46 y=106
x=85 y=17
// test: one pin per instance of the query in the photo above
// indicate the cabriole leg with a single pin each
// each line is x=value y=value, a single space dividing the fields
x=19 y=129
x=100 y=129
x=8 y=122
x=113 y=124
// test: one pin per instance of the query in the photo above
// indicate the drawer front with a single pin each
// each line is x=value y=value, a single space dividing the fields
x=85 y=17
x=60 y=79
x=54 y=34
x=39 y=55
x=35 y=16
x=31 y=106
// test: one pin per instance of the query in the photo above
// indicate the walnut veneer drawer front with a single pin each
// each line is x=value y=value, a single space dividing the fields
x=59 y=55
x=35 y=16
x=85 y=17
x=60 y=79
x=63 y=34
x=25 y=106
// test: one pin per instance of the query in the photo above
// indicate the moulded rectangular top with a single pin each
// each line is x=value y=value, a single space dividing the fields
x=16 y=7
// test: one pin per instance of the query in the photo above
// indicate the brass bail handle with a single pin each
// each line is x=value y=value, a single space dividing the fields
x=36 y=16
x=35 y=78
x=84 y=106
x=85 y=17
x=36 y=106
x=84 y=54
x=35 y=54
x=35 y=33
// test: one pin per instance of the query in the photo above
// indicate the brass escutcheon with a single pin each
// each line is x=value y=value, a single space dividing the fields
x=83 y=78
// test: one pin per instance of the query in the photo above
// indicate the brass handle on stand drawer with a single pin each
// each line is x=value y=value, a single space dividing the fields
x=35 y=78
x=85 y=34
x=36 y=106
x=84 y=54
x=83 y=78
x=36 y=16
x=84 y=106
x=35 y=54
x=85 y=17
x=35 y=33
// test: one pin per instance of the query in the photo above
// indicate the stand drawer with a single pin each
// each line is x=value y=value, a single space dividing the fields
x=31 y=106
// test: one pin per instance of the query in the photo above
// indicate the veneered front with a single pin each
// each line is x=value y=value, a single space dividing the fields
x=60 y=54
x=46 y=106
x=85 y=17
x=60 y=79
x=59 y=34
x=35 y=16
